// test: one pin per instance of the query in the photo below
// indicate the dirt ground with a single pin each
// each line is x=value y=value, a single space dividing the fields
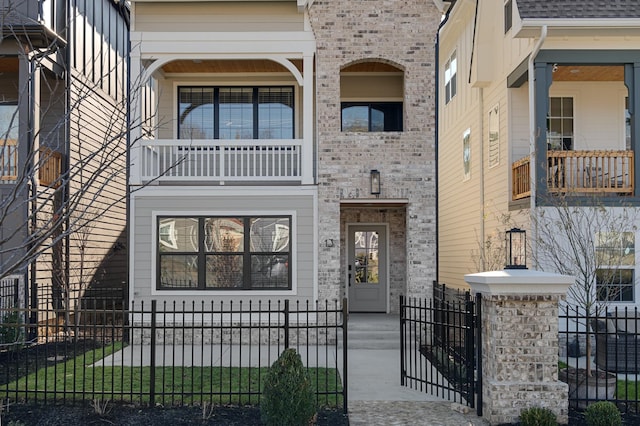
x=55 y=415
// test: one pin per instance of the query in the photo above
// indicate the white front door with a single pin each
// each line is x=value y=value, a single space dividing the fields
x=367 y=268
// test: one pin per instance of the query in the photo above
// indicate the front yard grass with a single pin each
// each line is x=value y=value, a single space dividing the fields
x=76 y=379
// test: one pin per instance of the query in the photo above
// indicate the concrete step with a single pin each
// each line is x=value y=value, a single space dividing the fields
x=368 y=339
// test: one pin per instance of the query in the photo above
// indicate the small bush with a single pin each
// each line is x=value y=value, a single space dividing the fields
x=11 y=329
x=287 y=398
x=603 y=413
x=537 y=416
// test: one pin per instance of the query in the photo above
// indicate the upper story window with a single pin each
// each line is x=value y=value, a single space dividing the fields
x=450 y=73
x=371 y=95
x=206 y=112
x=560 y=123
x=372 y=117
x=508 y=15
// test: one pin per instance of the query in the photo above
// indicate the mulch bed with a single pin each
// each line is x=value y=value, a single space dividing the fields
x=55 y=415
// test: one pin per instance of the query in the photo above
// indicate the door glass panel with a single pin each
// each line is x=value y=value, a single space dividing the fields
x=366 y=258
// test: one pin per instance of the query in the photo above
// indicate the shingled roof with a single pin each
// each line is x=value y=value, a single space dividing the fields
x=578 y=9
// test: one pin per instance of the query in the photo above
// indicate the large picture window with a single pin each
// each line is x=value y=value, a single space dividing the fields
x=372 y=116
x=224 y=253
x=235 y=113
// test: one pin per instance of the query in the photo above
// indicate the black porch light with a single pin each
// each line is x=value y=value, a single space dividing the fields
x=516 y=246
x=375 y=182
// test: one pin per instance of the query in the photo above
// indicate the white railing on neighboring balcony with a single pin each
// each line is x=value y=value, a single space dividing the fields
x=221 y=160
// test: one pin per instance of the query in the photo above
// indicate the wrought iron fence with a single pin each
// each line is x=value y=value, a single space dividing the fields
x=600 y=356
x=440 y=353
x=171 y=354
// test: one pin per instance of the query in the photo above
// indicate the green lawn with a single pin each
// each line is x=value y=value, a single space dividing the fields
x=75 y=379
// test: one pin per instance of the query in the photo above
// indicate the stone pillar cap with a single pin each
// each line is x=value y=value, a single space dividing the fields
x=519 y=282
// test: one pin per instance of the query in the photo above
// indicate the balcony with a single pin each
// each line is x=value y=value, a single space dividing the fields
x=579 y=173
x=222 y=161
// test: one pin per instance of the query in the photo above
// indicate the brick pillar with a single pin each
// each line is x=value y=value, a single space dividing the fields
x=520 y=342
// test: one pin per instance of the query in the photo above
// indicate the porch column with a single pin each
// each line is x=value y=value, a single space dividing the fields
x=520 y=342
x=135 y=131
x=307 y=120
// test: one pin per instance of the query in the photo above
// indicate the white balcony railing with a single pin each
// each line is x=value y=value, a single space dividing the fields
x=221 y=160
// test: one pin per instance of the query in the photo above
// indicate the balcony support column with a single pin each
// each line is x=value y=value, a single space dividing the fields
x=135 y=131
x=543 y=80
x=307 y=120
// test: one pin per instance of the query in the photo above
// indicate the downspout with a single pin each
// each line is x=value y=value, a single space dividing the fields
x=532 y=133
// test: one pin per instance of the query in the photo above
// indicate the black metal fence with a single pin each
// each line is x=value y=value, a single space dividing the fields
x=169 y=354
x=600 y=357
x=440 y=350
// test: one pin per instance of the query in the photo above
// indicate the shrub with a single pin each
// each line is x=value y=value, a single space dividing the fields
x=603 y=413
x=11 y=328
x=287 y=398
x=537 y=416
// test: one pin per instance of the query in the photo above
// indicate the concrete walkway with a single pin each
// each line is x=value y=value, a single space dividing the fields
x=376 y=396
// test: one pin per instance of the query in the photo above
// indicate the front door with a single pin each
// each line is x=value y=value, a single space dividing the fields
x=367 y=268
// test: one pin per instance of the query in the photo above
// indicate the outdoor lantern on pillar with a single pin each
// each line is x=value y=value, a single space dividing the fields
x=375 y=183
x=516 y=246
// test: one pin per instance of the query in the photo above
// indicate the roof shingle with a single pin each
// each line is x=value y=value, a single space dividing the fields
x=578 y=9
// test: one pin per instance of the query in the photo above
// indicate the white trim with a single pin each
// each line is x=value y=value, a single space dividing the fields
x=387 y=257
x=293 y=247
x=132 y=251
x=316 y=242
x=211 y=191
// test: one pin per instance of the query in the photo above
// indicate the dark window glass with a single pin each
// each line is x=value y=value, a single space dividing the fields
x=372 y=116
x=508 y=15
x=615 y=285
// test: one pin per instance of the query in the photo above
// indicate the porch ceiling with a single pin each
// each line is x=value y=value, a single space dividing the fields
x=588 y=73
x=228 y=66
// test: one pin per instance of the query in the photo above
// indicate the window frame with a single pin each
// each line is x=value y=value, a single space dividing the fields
x=450 y=77
x=564 y=142
x=508 y=15
x=398 y=110
x=621 y=262
x=255 y=102
x=202 y=253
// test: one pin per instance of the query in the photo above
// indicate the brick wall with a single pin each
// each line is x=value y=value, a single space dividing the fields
x=401 y=34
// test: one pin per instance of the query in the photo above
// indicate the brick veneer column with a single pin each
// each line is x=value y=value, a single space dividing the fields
x=520 y=342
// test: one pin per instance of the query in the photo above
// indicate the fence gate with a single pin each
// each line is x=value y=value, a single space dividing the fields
x=440 y=346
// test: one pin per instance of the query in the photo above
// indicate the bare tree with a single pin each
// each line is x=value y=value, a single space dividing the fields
x=63 y=162
x=592 y=242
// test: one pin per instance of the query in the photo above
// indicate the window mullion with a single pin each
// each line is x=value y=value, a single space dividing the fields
x=255 y=113
x=216 y=113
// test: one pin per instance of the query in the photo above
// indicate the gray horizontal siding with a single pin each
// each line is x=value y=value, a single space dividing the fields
x=143 y=208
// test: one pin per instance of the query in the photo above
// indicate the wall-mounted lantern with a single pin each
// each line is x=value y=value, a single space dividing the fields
x=516 y=246
x=375 y=183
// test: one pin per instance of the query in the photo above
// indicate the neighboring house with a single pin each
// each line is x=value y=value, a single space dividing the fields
x=62 y=152
x=264 y=124
x=573 y=132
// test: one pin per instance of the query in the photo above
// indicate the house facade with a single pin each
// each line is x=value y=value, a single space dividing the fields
x=63 y=147
x=286 y=151
x=537 y=110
